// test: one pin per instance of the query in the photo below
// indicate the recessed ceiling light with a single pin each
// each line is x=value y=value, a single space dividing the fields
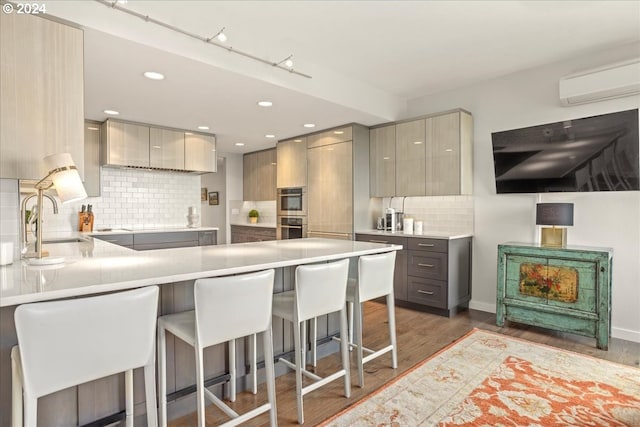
x=265 y=103
x=111 y=112
x=269 y=136
x=309 y=125
x=153 y=75
x=203 y=127
x=338 y=132
x=239 y=144
x=93 y=128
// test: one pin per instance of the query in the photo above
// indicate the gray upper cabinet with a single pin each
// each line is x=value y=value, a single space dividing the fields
x=166 y=148
x=125 y=144
x=92 y=158
x=411 y=174
x=200 y=152
x=382 y=162
x=42 y=102
x=259 y=175
x=292 y=163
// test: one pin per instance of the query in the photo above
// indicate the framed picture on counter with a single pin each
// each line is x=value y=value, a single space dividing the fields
x=213 y=198
x=203 y=194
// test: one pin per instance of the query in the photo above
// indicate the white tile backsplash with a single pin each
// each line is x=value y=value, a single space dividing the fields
x=131 y=198
x=452 y=214
x=9 y=214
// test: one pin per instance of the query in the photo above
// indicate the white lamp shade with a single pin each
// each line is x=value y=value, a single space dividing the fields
x=66 y=181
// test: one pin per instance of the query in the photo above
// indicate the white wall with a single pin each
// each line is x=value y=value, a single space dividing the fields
x=601 y=219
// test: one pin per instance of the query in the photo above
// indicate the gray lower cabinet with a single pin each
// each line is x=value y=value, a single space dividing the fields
x=244 y=233
x=431 y=274
x=161 y=240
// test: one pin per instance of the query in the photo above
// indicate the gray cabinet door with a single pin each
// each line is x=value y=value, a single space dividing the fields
x=92 y=158
x=411 y=149
x=330 y=188
x=166 y=148
x=382 y=163
x=249 y=174
x=292 y=163
x=266 y=177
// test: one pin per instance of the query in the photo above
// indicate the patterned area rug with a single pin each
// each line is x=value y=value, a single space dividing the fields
x=488 y=379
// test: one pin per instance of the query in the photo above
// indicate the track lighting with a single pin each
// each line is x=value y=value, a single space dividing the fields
x=217 y=40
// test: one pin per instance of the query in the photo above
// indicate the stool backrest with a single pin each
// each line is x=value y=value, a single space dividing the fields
x=321 y=288
x=233 y=306
x=375 y=275
x=65 y=343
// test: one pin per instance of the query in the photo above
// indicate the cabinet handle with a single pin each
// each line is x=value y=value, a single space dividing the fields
x=425 y=265
x=427 y=245
x=378 y=241
x=425 y=292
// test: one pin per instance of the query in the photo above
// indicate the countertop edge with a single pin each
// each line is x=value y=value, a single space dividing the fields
x=424 y=235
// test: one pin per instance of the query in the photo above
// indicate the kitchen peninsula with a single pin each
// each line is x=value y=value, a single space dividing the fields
x=93 y=266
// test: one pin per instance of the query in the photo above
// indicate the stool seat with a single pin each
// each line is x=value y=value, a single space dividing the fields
x=182 y=325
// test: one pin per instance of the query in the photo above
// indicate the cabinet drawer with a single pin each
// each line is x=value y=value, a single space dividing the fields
x=430 y=265
x=152 y=238
x=375 y=238
x=427 y=292
x=431 y=245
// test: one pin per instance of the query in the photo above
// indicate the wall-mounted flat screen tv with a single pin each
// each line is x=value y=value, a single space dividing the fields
x=598 y=153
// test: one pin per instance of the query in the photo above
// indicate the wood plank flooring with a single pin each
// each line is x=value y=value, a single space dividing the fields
x=419 y=336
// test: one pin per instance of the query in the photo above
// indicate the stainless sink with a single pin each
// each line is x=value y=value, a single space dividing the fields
x=64 y=240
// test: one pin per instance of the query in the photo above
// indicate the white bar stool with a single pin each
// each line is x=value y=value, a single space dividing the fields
x=70 y=342
x=226 y=308
x=375 y=279
x=319 y=289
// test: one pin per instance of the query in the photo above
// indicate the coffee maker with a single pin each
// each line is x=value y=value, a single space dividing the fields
x=393 y=220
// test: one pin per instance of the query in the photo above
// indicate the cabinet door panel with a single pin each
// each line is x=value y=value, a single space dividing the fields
x=249 y=174
x=410 y=158
x=166 y=149
x=266 y=178
x=200 y=153
x=330 y=137
x=330 y=188
x=444 y=140
x=92 y=158
x=382 y=168
x=127 y=144
x=292 y=163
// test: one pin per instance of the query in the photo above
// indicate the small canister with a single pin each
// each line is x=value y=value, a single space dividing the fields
x=417 y=227
x=407 y=225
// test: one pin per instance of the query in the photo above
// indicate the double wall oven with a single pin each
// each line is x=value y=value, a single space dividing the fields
x=292 y=213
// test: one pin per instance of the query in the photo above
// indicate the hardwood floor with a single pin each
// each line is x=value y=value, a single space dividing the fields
x=419 y=336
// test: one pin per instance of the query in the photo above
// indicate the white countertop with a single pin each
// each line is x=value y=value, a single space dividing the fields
x=425 y=234
x=96 y=266
x=146 y=230
x=259 y=224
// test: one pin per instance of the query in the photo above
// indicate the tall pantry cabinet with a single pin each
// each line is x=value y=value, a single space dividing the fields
x=42 y=102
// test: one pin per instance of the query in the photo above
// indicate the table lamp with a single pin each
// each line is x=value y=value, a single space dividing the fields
x=63 y=175
x=554 y=214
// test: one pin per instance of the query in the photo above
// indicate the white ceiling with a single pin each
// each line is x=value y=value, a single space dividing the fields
x=366 y=58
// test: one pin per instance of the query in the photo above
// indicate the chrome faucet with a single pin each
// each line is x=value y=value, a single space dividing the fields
x=38 y=211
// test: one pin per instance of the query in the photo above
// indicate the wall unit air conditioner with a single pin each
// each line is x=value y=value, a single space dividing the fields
x=612 y=81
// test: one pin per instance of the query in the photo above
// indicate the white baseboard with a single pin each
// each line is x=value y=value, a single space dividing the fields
x=621 y=333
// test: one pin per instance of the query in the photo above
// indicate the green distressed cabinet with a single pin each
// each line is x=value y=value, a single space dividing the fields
x=566 y=289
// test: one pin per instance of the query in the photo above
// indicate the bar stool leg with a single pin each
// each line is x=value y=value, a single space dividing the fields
x=128 y=397
x=350 y=314
x=344 y=346
x=232 y=370
x=313 y=332
x=16 y=389
x=391 y=312
x=150 y=393
x=162 y=374
x=299 y=357
x=200 y=386
x=253 y=365
x=271 y=376
x=357 y=311
x=30 y=411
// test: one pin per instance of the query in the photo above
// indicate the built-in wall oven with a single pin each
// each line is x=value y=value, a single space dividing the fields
x=292 y=201
x=291 y=227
